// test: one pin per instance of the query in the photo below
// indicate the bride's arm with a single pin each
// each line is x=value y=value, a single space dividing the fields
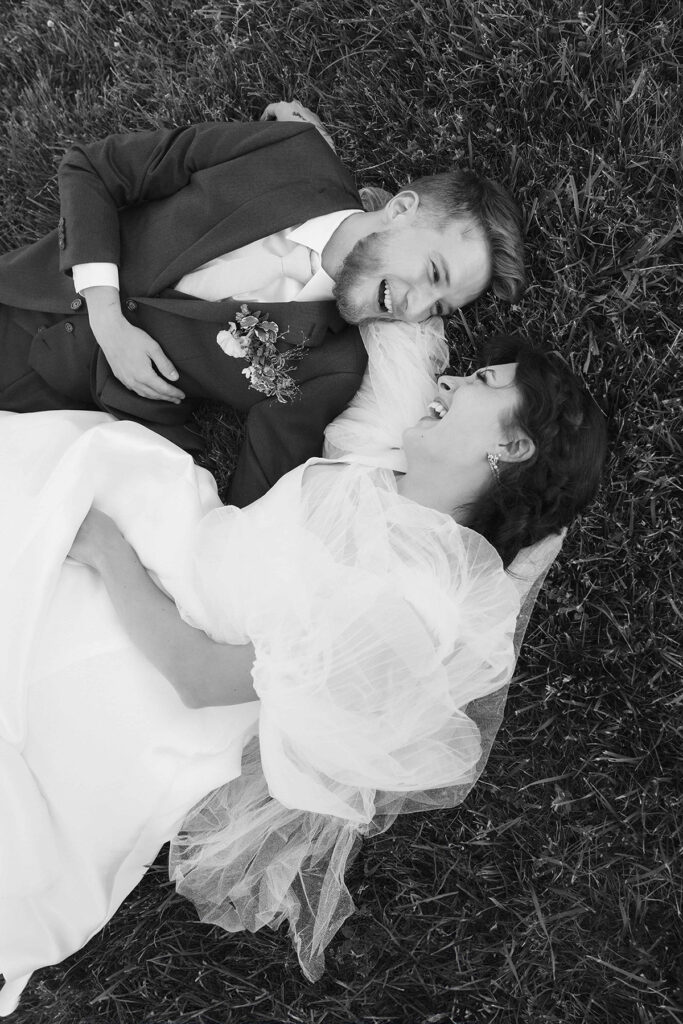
x=203 y=673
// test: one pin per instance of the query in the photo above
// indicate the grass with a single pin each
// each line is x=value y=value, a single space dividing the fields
x=554 y=893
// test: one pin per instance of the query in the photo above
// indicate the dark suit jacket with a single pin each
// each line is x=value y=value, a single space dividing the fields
x=160 y=204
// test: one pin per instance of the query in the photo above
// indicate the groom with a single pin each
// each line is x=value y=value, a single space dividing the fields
x=165 y=236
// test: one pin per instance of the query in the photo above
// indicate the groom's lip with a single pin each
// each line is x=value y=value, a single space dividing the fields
x=380 y=296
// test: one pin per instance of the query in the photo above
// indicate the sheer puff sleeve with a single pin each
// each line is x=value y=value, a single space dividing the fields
x=382 y=627
x=398 y=385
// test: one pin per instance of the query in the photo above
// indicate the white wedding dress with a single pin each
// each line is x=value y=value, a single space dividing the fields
x=375 y=622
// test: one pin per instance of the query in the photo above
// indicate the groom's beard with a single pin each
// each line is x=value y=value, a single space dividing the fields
x=353 y=286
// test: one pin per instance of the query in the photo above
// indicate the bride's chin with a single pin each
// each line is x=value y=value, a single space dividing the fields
x=411 y=445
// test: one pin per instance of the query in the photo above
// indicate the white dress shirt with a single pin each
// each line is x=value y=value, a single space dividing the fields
x=283 y=267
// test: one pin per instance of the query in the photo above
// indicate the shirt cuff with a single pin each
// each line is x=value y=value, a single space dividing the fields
x=90 y=275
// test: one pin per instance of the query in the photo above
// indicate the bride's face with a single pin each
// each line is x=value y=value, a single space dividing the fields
x=469 y=417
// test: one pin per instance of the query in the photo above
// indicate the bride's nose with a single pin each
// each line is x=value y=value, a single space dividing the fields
x=448 y=386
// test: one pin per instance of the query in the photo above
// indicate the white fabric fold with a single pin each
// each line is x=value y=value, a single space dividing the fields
x=100 y=760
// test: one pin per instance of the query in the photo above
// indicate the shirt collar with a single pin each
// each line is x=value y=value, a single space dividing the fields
x=315 y=234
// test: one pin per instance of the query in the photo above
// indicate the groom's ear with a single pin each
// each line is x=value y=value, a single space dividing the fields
x=401 y=209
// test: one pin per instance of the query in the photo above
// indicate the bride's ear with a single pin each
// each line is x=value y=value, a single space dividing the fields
x=520 y=449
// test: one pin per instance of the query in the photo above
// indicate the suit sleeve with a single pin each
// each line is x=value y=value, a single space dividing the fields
x=280 y=436
x=98 y=179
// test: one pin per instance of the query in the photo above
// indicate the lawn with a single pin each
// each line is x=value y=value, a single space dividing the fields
x=553 y=894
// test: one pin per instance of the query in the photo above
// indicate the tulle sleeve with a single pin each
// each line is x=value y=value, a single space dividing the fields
x=398 y=385
x=368 y=666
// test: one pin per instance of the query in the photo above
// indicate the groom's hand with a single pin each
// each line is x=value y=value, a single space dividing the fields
x=295 y=111
x=135 y=358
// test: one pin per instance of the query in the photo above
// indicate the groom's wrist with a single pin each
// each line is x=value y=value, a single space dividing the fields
x=105 y=315
x=104 y=307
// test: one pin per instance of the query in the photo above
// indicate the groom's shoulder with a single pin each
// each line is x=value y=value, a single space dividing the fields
x=251 y=134
x=290 y=137
x=212 y=141
x=268 y=132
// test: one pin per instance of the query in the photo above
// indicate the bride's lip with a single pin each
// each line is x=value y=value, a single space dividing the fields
x=437 y=409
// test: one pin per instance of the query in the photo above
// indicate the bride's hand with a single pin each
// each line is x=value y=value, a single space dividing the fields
x=97 y=538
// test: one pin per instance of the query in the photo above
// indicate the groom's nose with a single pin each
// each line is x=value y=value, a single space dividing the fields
x=419 y=302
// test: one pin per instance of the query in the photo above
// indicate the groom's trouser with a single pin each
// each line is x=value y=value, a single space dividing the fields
x=21 y=388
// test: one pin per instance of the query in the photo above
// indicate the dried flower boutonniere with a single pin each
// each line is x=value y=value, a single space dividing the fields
x=254 y=340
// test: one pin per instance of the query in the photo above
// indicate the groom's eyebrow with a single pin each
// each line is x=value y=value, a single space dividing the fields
x=449 y=308
x=446 y=308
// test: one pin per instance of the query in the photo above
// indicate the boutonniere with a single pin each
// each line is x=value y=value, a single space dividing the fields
x=254 y=340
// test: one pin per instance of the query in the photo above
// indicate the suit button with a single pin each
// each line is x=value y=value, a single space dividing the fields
x=131 y=305
x=76 y=303
x=69 y=327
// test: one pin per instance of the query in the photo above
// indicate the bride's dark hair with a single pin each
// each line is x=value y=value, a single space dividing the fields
x=541 y=495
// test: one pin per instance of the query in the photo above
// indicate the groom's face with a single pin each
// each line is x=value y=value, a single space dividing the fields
x=413 y=269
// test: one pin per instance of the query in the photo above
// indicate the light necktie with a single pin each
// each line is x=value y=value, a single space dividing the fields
x=270 y=269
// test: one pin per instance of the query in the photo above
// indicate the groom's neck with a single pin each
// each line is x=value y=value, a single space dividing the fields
x=351 y=230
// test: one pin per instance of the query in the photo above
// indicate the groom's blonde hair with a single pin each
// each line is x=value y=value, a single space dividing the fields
x=463 y=194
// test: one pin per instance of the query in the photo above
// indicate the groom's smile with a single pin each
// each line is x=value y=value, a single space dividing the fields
x=385 y=300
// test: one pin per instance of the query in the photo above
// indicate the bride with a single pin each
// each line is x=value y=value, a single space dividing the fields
x=263 y=686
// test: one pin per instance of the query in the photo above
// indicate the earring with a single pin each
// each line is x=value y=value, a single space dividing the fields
x=493 y=461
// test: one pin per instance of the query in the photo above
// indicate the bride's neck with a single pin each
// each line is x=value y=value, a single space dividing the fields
x=453 y=496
